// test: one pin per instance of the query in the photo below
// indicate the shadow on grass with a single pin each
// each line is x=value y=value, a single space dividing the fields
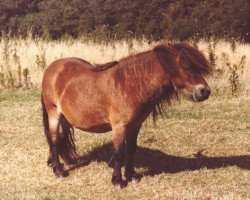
x=157 y=162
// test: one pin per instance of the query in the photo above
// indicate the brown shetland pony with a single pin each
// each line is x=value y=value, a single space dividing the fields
x=116 y=96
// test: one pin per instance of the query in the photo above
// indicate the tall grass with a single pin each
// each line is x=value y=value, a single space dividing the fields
x=231 y=63
x=23 y=61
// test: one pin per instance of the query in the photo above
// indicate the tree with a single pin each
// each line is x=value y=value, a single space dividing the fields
x=118 y=19
x=206 y=18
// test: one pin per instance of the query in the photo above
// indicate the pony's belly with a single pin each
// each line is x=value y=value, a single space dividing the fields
x=102 y=128
x=87 y=119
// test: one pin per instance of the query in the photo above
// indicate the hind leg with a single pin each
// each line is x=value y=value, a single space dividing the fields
x=53 y=138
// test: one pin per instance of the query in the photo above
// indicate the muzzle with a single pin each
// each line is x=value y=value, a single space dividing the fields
x=200 y=93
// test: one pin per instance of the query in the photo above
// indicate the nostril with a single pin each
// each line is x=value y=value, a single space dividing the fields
x=208 y=92
x=205 y=91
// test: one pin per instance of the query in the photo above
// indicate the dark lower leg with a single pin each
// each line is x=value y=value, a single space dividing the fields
x=53 y=138
x=131 y=144
x=49 y=161
x=55 y=162
x=118 y=159
x=129 y=168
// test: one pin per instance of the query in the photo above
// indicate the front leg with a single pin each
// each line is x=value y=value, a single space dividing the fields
x=131 y=146
x=118 y=156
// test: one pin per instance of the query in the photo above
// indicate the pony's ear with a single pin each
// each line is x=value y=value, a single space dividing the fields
x=166 y=58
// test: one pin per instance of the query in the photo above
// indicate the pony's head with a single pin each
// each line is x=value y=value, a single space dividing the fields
x=187 y=68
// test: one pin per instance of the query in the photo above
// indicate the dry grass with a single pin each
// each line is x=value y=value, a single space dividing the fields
x=166 y=156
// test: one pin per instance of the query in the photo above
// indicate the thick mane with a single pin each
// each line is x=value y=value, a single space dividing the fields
x=196 y=58
x=130 y=69
x=135 y=71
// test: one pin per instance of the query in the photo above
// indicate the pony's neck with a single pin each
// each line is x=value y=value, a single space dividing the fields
x=157 y=85
x=143 y=75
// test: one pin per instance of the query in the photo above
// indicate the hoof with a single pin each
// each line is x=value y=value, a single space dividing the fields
x=49 y=162
x=119 y=183
x=135 y=178
x=59 y=172
x=62 y=174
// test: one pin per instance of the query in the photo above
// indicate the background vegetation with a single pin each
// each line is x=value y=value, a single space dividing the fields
x=105 y=20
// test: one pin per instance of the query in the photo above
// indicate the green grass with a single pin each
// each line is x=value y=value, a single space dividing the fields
x=198 y=151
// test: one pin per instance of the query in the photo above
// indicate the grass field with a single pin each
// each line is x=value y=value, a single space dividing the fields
x=199 y=151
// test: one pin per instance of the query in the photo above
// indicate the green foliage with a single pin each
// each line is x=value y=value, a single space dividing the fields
x=108 y=20
x=18 y=16
x=208 y=18
x=98 y=19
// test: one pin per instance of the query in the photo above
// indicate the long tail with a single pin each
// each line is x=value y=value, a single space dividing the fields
x=45 y=121
x=67 y=147
x=66 y=143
